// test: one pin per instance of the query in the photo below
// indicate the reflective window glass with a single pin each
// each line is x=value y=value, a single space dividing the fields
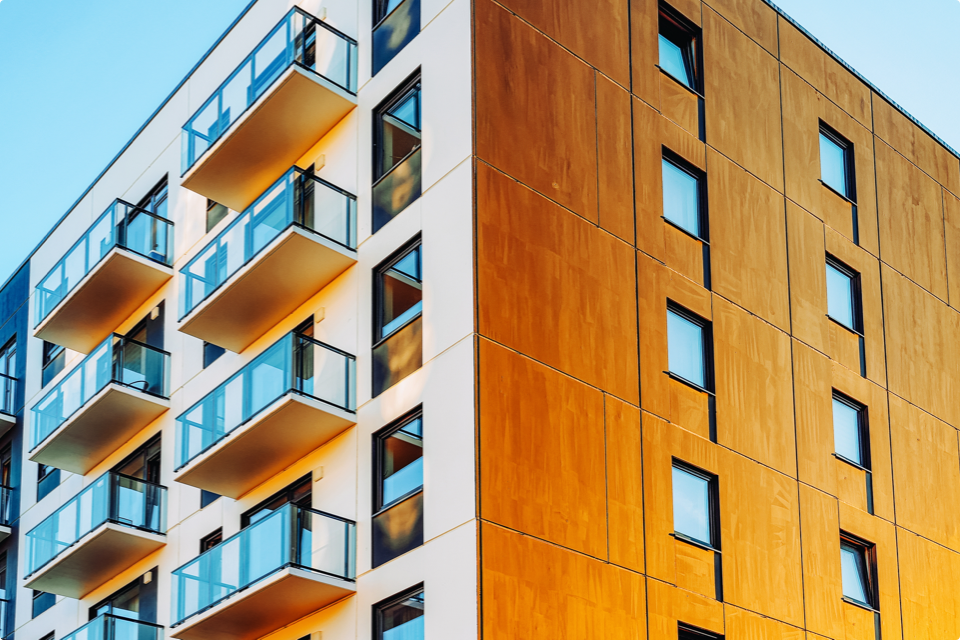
x=402 y=620
x=674 y=62
x=401 y=292
x=853 y=564
x=833 y=164
x=399 y=131
x=691 y=505
x=847 y=431
x=685 y=344
x=840 y=297
x=401 y=461
x=681 y=198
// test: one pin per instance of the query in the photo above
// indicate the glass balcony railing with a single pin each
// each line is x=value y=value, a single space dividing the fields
x=8 y=394
x=112 y=498
x=118 y=360
x=291 y=536
x=295 y=199
x=121 y=225
x=110 y=627
x=299 y=39
x=296 y=363
x=6 y=506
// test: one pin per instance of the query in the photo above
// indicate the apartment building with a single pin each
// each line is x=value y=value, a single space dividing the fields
x=417 y=319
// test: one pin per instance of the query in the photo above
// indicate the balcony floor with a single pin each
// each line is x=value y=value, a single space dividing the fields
x=298 y=110
x=105 y=422
x=266 y=606
x=94 y=559
x=294 y=267
x=103 y=299
x=281 y=434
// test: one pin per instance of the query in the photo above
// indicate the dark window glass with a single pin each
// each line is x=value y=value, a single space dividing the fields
x=395 y=24
x=41 y=602
x=836 y=162
x=843 y=295
x=298 y=493
x=850 y=430
x=397 y=153
x=685 y=632
x=211 y=353
x=54 y=357
x=688 y=346
x=681 y=197
x=215 y=213
x=136 y=601
x=401 y=618
x=678 y=48
x=397 y=350
x=211 y=540
x=156 y=200
x=856 y=564
x=398 y=489
x=48 y=479
x=144 y=463
x=694 y=494
x=207 y=498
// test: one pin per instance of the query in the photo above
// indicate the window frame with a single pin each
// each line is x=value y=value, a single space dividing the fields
x=689 y=632
x=53 y=356
x=216 y=534
x=863 y=431
x=706 y=328
x=41 y=477
x=391 y=601
x=287 y=492
x=412 y=83
x=713 y=504
x=378 y=273
x=855 y=291
x=676 y=28
x=379 y=437
x=158 y=195
x=700 y=176
x=849 y=170
x=868 y=552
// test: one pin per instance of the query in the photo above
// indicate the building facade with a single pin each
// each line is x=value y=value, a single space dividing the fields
x=417 y=319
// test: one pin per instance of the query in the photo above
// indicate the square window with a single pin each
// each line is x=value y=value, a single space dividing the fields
x=400 y=617
x=850 y=431
x=694 y=502
x=682 y=197
x=678 y=44
x=836 y=162
x=688 y=346
x=843 y=295
x=857 y=571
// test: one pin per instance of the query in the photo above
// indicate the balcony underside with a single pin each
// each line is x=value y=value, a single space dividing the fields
x=94 y=559
x=120 y=283
x=4 y=532
x=284 y=432
x=283 y=276
x=266 y=606
x=97 y=429
x=299 y=109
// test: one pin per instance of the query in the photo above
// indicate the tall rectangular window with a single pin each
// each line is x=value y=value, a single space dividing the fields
x=679 y=48
x=54 y=357
x=400 y=617
x=850 y=431
x=48 y=479
x=689 y=347
x=843 y=295
x=694 y=505
x=398 y=304
x=395 y=24
x=836 y=162
x=858 y=571
x=398 y=489
x=396 y=158
x=8 y=375
x=215 y=213
x=682 y=196
x=156 y=200
x=41 y=602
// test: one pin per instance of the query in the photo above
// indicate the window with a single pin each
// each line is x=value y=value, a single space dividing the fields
x=836 y=162
x=136 y=601
x=299 y=493
x=396 y=170
x=398 y=287
x=207 y=498
x=400 y=617
x=685 y=632
x=694 y=505
x=54 y=357
x=682 y=196
x=211 y=540
x=398 y=489
x=8 y=374
x=144 y=463
x=679 y=54
x=215 y=213
x=395 y=24
x=48 y=479
x=689 y=347
x=156 y=200
x=211 y=353
x=41 y=602
x=850 y=431
x=843 y=295
x=857 y=565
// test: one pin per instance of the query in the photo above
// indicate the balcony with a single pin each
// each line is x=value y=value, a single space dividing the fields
x=111 y=627
x=8 y=398
x=298 y=83
x=275 y=571
x=293 y=241
x=7 y=514
x=294 y=397
x=103 y=530
x=120 y=388
x=118 y=263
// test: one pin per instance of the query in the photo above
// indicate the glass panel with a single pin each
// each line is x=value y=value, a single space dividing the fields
x=833 y=164
x=299 y=38
x=108 y=627
x=398 y=529
x=296 y=198
x=397 y=357
x=840 y=297
x=6 y=510
x=289 y=536
x=674 y=62
x=8 y=394
x=396 y=191
x=293 y=363
x=401 y=292
x=403 y=620
x=395 y=32
x=111 y=497
x=402 y=458
x=686 y=349
x=854 y=573
x=118 y=360
x=846 y=431
x=691 y=505
x=681 y=198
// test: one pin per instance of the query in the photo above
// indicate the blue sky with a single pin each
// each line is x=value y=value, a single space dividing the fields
x=78 y=78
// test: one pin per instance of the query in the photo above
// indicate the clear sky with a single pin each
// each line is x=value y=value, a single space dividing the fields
x=79 y=77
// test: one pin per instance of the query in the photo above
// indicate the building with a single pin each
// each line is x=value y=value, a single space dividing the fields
x=419 y=319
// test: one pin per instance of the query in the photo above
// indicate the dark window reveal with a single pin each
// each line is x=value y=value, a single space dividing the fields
x=679 y=48
x=396 y=170
x=858 y=571
x=398 y=489
x=54 y=357
x=689 y=347
x=836 y=162
x=398 y=290
x=400 y=617
x=843 y=295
